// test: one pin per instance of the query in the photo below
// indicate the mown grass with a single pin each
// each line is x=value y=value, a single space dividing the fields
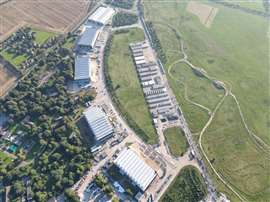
x=125 y=83
x=234 y=50
x=42 y=36
x=11 y=58
x=188 y=186
x=176 y=141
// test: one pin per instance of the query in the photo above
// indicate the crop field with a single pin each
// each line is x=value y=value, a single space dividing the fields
x=233 y=50
x=126 y=85
x=7 y=79
x=58 y=15
x=176 y=141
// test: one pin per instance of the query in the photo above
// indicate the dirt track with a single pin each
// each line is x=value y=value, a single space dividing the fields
x=54 y=15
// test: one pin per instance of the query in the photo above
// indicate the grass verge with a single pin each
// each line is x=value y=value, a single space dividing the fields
x=176 y=141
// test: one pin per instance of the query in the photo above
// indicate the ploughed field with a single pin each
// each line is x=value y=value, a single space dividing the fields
x=234 y=50
x=57 y=15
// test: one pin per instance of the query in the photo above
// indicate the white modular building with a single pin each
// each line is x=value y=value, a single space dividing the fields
x=98 y=123
x=135 y=168
x=82 y=73
x=102 y=15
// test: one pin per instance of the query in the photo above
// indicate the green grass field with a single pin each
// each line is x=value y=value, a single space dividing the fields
x=126 y=84
x=176 y=141
x=42 y=36
x=234 y=49
x=4 y=159
x=254 y=5
x=188 y=186
x=15 y=61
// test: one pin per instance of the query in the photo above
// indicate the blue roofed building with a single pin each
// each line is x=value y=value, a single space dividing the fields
x=82 y=73
x=88 y=38
x=98 y=123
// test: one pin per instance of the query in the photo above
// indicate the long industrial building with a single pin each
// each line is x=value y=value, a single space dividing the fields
x=98 y=123
x=135 y=168
x=102 y=15
x=82 y=72
x=89 y=37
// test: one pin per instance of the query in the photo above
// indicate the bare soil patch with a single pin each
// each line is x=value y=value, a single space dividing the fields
x=204 y=12
x=57 y=15
x=7 y=79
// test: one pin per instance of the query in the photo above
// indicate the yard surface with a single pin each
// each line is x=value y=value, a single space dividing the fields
x=176 y=141
x=228 y=51
x=126 y=85
x=188 y=186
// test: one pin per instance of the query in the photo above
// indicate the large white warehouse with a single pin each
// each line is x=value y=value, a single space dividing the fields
x=98 y=123
x=135 y=168
x=102 y=15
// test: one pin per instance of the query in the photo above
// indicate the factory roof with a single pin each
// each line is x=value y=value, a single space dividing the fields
x=89 y=36
x=98 y=123
x=102 y=15
x=135 y=168
x=82 y=67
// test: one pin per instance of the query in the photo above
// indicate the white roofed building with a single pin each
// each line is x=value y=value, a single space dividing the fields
x=102 y=15
x=82 y=72
x=135 y=168
x=98 y=123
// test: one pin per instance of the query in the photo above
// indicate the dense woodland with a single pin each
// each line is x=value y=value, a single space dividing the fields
x=126 y=4
x=62 y=158
x=188 y=186
x=122 y=19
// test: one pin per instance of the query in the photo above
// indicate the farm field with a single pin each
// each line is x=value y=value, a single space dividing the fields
x=7 y=79
x=176 y=141
x=228 y=51
x=126 y=89
x=190 y=180
x=57 y=16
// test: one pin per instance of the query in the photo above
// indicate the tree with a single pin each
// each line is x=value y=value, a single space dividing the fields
x=71 y=196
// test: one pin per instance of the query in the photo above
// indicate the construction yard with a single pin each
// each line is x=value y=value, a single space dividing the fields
x=57 y=16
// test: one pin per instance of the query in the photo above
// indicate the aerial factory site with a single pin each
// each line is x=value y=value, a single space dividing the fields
x=134 y=101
